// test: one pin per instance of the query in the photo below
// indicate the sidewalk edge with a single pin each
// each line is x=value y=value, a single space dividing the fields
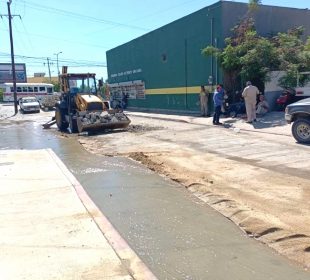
x=206 y=124
x=128 y=257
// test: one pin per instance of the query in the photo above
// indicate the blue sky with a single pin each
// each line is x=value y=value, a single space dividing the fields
x=84 y=30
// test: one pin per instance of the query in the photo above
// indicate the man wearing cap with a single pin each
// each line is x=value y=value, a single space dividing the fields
x=249 y=94
x=218 y=99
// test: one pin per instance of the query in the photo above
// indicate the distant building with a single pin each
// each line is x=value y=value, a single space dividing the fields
x=164 y=69
x=42 y=79
x=39 y=74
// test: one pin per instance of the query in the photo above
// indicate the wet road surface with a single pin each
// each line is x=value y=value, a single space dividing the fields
x=177 y=236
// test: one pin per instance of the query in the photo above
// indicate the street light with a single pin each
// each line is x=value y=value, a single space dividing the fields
x=57 y=54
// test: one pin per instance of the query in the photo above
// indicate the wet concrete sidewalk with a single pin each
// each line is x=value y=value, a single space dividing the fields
x=47 y=227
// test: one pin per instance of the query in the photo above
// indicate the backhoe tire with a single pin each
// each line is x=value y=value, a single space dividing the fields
x=60 y=120
x=301 y=130
x=73 y=126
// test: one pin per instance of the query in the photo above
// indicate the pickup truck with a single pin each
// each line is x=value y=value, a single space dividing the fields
x=298 y=113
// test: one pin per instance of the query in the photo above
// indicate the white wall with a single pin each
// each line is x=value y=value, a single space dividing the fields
x=272 y=90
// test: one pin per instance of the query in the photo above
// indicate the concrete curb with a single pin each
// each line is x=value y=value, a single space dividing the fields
x=206 y=124
x=137 y=269
x=158 y=118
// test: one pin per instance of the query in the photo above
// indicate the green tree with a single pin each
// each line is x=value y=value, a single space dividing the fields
x=247 y=56
x=1 y=94
x=55 y=84
x=253 y=5
x=258 y=58
x=294 y=56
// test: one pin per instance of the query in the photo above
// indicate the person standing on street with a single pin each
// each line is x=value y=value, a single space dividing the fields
x=204 y=96
x=218 y=99
x=249 y=94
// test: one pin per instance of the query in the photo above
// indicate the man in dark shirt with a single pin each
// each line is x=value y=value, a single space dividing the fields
x=218 y=99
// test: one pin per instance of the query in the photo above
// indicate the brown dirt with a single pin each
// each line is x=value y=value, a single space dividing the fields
x=250 y=206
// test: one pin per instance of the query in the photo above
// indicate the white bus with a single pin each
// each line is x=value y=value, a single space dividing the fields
x=26 y=89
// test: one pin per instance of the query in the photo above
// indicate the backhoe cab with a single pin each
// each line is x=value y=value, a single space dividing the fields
x=81 y=109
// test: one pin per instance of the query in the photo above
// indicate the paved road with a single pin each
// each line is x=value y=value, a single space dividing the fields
x=177 y=236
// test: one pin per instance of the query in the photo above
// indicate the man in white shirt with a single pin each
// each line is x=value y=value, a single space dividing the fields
x=250 y=94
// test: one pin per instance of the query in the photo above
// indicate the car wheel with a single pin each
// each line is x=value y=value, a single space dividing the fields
x=301 y=130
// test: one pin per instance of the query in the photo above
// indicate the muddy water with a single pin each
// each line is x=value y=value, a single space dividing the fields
x=174 y=234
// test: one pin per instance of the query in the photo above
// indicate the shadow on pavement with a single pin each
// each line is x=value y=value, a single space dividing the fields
x=272 y=119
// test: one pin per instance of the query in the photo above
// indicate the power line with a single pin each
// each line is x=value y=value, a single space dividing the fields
x=78 y=63
x=49 y=9
x=161 y=11
x=62 y=40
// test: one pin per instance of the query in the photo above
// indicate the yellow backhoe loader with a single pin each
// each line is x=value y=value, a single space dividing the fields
x=81 y=109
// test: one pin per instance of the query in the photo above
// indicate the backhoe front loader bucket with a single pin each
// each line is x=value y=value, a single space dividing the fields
x=99 y=121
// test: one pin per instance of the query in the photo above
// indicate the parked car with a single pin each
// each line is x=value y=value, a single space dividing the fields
x=298 y=113
x=287 y=97
x=29 y=104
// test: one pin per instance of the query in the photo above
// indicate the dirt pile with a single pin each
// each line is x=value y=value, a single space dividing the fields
x=252 y=210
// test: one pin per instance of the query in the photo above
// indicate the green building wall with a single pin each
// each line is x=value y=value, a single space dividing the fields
x=169 y=61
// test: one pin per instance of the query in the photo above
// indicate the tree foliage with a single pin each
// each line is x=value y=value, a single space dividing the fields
x=248 y=56
x=253 y=5
x=54 y=83
x=294 y=56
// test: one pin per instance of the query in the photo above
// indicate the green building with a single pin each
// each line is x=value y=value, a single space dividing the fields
x=164 y=69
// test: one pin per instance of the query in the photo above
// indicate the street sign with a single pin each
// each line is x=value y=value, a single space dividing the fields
x=6 y=73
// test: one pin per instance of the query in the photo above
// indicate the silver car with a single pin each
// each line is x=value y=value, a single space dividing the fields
x=29 y=104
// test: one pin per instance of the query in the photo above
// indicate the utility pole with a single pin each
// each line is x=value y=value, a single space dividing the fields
x=10 y=16
x=49 y=68
x=57 y=54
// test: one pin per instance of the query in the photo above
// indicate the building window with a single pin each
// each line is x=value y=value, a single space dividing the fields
x=132 y=90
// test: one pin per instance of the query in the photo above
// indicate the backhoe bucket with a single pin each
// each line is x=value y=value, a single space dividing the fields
x=96 y=122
